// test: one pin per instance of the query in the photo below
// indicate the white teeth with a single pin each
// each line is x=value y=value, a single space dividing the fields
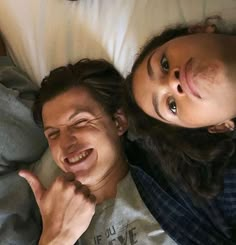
x=79 y=157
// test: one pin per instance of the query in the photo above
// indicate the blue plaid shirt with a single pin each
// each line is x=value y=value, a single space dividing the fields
x=208 y=223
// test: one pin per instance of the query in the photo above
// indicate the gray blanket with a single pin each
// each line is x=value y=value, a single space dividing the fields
x=20 y=221
x=21 y=142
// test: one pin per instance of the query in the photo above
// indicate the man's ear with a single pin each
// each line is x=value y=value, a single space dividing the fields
x=222 y=127
x=121 y=121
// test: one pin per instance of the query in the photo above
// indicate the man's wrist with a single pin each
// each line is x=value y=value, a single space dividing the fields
x=60 y=239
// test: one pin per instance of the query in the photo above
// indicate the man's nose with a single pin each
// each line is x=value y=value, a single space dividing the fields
x=68 y=140
x=174 y=82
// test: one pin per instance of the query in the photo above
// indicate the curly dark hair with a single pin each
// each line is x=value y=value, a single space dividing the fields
x=193 y=158
x=99 y=77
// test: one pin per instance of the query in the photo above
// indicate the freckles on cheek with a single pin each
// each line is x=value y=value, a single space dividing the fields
x=209 y=74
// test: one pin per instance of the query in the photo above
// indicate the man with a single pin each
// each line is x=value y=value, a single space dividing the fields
x=80 y=109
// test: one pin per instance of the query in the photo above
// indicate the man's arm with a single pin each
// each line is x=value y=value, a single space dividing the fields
x=2 y=47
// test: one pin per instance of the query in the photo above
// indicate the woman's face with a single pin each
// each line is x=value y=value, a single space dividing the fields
x=188 y=81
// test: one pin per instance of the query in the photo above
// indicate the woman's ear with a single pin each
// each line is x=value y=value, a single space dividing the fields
x=121 y=121
x=222 y=127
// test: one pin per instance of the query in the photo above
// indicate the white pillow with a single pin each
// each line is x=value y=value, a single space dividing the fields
x=44 y=34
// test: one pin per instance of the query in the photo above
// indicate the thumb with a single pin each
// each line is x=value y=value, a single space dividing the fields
x=35 y=184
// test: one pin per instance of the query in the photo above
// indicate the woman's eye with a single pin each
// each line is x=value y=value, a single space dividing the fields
x=172 y=105
x=164 y=64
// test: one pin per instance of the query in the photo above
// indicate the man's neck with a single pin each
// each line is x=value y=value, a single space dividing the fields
x=106 y=188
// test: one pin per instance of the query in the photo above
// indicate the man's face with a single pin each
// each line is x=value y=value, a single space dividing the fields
x=83 y=139
x=188 y=80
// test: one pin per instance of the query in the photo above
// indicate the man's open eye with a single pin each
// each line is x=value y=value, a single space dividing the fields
x=172 y=105
x=164 y=63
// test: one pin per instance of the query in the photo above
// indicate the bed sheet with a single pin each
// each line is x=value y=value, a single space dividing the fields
x=44 y=34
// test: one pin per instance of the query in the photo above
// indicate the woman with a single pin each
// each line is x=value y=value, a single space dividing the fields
x=176 y=96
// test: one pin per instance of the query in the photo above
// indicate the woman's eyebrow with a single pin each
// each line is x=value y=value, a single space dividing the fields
x=156 y=107
x=149 y=67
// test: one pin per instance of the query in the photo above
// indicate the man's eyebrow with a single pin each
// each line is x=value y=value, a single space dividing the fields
x=48 y=127
x=156 y=107
x=71 y=116
x=78 y=111
x=74 y=114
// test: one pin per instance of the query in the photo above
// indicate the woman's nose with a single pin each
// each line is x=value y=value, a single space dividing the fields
x=174 y=82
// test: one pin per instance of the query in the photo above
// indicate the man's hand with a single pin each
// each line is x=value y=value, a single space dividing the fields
x=67 y=208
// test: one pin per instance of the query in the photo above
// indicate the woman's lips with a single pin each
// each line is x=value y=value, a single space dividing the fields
x=188 y=79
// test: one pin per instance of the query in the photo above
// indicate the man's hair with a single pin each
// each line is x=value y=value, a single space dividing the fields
x=99 y=77
x=193 y=158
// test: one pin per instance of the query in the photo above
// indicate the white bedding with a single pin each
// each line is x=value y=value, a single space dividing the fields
x=44 y=34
